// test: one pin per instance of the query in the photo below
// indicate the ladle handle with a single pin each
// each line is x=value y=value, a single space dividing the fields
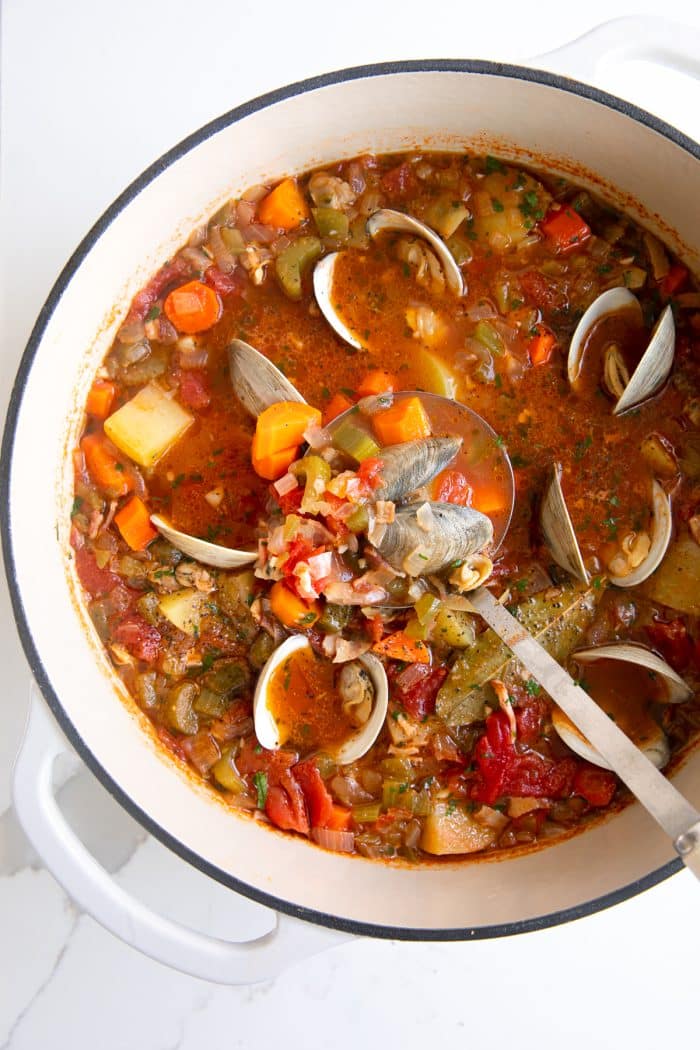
x=678 y=818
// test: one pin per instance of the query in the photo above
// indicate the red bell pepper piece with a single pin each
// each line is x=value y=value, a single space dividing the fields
x=673 y=281
x=565 y=229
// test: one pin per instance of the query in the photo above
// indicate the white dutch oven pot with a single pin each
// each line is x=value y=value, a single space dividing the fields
x=646 y=166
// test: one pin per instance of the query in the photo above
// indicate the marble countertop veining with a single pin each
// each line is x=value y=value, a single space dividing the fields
x=91 y=93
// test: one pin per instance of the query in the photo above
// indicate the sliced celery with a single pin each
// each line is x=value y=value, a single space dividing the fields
x=226 y=776
x=391 y=792
x=367 y=813
x=292 y=263
x=354 y=440
x=326 y=765
x=233 y=239
x=331 y=223
x=317 y=474
x=397 y=768
x=358 y=520
x=446 y=214
x=334 y=618
x=489 y=337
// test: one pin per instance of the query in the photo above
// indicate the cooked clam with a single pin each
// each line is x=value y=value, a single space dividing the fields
x=426 y=538
x=654 y=367
x=388 y=220
x=323 y=285
x=558 y=529
x=412 y=464
x=363 y=691
x=630 y=710
x=201 y=550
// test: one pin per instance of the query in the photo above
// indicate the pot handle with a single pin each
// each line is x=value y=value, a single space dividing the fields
x=97 y=893
x=635 y=36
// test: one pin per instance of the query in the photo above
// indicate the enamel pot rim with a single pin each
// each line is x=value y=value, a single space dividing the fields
x=472 y=68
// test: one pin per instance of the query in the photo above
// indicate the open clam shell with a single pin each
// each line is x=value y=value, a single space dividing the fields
x=323 y=285
x=389 y=220
x=201 y=550
x=420 y=542
x=558 y=529
x=662 y=529
x=410 y=465
x=354 y=746
x=655 y=364
x=257 y=383
x=645 y=731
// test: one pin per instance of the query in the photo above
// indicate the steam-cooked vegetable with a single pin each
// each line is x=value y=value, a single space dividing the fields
x=148 y=425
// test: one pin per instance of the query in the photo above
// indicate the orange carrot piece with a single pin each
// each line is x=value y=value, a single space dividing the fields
x=104 y=466
x=338 y=404
x=272 y=465
x=284 y=207
x=282 y=426
x=406 y=420
x=399 y=646
x=378 y=381
x=489 y=500
x=134 y=523
x=289 y=609
x=565 y=229
x=193 y=307
x=541 y=346
x=99 y=400
x=339 y=818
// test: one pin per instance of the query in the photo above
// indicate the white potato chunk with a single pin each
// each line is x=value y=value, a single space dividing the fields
x=183 y=609
x=148 y=425
x=449 y=828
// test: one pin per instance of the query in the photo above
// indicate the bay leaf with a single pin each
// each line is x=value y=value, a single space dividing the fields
x=557 y=622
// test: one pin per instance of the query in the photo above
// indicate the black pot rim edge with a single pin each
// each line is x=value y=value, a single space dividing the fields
x=363 y=929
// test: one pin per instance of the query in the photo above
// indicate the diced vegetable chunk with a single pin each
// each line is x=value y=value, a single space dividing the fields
x=284 y=207
x=148 y=425
x=338 y=404
x=541 y=346
x=278 y=434
x=293 y=262
x=193 y=307
x=406 y=420
x=99 y=400
x=399 y=646
x=290 y=610
x=354 y=439
x=565 y=229
x=183 y=609
x=449 y=828
x=378 y=381
x=134 y=523
x=104 y=467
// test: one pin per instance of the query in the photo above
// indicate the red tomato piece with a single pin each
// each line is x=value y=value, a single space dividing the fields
x=504 y=771
x=254 y=758
x=529 y=715
x=318 y=799
x=286 y=807
x=139 y=638
x=95 y=580
x=225 y=283
x=194 y=389
x=451 y=486
x=565 y=229
x=597 y=786
x=672 y=641
x=673 y=281
x=543 y=292
x=370 y=471
x=171 y=273
x=399 y=181
x=418 y=699
x=291 y=501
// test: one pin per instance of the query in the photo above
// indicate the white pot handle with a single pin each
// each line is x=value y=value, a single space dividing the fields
x=635 y=36
x=97 y=893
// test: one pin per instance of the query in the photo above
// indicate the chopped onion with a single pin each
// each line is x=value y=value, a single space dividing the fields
x=414 y=561
x=317 y=437
x=215 y=496
x=197 y=258
x=276 y=542
x=245 y=212
x=254 y=194
x=349 y=650
x=328 y=645
x=385 y=511
x=304 y=583
x=411 y=675
x=286 y=484
x=224 y=259
x=425 y=518
x=131 y=332
x=321 y=565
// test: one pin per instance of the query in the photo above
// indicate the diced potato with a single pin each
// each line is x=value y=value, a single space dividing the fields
x=676 y=582
x=435 y=375
x=453 y=629
x=445 y=214
x=506 y=207
x=183 y=609
x=449 y=828
x=148 y=425
x=659 y=456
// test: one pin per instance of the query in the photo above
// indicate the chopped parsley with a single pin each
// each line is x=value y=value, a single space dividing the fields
x=531 y=687
x=153 y=313
x=494 y=164
x=260 y=781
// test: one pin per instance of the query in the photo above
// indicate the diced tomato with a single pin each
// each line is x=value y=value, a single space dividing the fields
x=139 y=638
x=254 y=758
x=299 y=550
x=418 y=699
x=673 y=281
x=565 y=229
x=445 y=749
x=318 y=798
x=194 y=389
x=95 y=580
x=286 y=807
x=375 y=628
x=171 y=273
x=225 y=283
x=504 y=771
x=399 y=181
x=596 y=785
x=291 y=501
x=369 y=472
x=672 y=641
x=172 y=742
x=529 y=715
x=392 y=815
x=451 y=486
x=543 y=292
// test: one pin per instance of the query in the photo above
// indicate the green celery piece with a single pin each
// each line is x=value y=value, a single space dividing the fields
x=292 y=263
x=367 y=813
x=489 y=337
x=331 y=223
x=557 y=623
x=354 y=440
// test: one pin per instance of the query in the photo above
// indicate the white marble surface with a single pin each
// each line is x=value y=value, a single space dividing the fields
x=91 y=93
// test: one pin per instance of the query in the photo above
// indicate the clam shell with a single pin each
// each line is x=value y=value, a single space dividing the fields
x=201 y=550
x=257 y=383
x=411 y=464
x=359 y=742
x=323 y=284
x=388 y=219
x=677 y=691
x=656 y=362
x=456 y=533
x=558 y=529
x=660 y=539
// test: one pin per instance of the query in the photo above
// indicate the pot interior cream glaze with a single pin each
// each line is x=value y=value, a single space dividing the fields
x=628 y=157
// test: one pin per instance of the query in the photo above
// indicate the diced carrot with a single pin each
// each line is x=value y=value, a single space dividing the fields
x=105 y=467
x=282 y=426
x=339 y=819
x=134 y=523
x=99 y=400
x=272 y=465
x=193 y=307
x=378 y=381
x=405 y=420
x=541 y=345
x=565 y=229
x=284 y=207
x=489 y=500
x=289 y=609
x=398 y=646
x=338 y=404
x=673 y=281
